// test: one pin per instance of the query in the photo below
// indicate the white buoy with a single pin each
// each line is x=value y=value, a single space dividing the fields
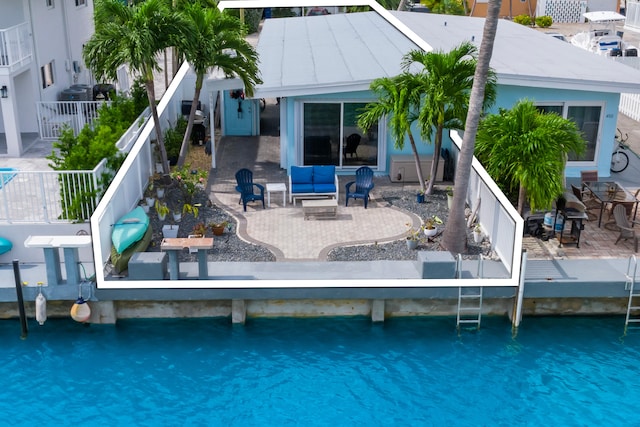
x=41 y=308
x=80 y=311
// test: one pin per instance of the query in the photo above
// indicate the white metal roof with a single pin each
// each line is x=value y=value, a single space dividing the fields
x=344 y=52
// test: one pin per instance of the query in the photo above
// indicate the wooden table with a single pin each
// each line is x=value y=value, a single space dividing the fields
x=606 y=192
x=323 y=208
x=175 y=245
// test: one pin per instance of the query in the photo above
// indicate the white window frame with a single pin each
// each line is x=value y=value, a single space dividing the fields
x=565 y=113
x=47 y=74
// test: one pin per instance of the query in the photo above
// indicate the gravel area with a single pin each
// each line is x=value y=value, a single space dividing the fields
x=229 y=247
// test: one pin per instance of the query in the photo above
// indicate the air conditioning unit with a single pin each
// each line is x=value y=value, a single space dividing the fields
x=403 y=168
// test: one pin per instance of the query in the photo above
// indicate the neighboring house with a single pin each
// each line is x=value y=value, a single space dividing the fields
x=321 y=67
x=40 y=56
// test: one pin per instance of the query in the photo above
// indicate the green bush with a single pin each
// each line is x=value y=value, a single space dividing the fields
x=522 y=20
x=173 y=139
x=544 y=21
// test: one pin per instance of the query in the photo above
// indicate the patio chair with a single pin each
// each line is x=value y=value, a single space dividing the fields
x=588 y=176
x=626 y=232
x=364 y=184
x=351 y=146
x=246 y=187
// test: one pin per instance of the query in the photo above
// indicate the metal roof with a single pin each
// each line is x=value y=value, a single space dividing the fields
x=344 y=52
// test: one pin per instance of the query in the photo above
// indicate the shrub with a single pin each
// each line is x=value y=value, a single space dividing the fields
x=544 y=21
x=522 y=19
x=173 y=139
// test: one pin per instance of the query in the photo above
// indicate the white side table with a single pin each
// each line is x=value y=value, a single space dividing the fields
x=279 y=186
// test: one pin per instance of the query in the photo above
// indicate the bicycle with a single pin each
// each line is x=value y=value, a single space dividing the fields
x=620 y=159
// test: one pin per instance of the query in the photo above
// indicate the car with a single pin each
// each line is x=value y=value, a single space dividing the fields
x=317 y=11
x=558 y=36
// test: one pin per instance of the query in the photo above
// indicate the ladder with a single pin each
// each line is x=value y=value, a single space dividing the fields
x=469 y=299
x=633 y=307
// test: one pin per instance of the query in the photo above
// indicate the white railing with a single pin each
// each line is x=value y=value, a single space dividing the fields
x=54 y=116
x=15 y=45
x=497 y=216
x=126 y=141
x=630 y=102
x=41 y=196
x=633 y=15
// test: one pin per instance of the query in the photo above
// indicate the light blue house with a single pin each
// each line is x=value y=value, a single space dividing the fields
x=321 y=67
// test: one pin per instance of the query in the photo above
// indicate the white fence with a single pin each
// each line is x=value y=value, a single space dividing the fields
x=41 y=196
x=497 y=216
x=630 y=102
x=53 y=117
x=15 y=45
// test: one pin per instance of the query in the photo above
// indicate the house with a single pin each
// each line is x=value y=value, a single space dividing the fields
x=321 y=67
x=40 y=57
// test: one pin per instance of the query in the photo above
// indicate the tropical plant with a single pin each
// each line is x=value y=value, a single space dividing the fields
x=199 y=229
x=445 y=7
x=214 y=39
x=162 y=209
x=132 y=34
x=398 y=98
x=445 y=82
x=189 y=181
x=522 y=20
x=455 y=233
x=544 y=21
x=431 y=222
x=526 y=149
x=414 y=233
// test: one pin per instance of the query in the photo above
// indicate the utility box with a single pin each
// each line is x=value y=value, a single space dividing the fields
x=148 y=266
x=403 y=168
x=436 y=265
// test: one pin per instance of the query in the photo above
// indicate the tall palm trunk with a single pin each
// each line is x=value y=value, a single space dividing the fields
x=416 y=157
x=151 y=95
x=192 y=115
x=436 y=158
x=455 y=233
x=522 y=196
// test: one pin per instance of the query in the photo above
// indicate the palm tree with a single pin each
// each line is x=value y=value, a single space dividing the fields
x=133 y=35
x=398 y=98
x=446 y=81
x=214 y=39
x=455 y=235
x=527 y=149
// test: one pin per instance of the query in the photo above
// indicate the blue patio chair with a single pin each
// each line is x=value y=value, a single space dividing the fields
x=246 y=187
x=364 y=184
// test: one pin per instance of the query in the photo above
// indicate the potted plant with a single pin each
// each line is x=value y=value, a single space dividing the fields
x=413 y=236
x=170 y=231
x=420 y=196
x=449 y=197
x=160 y=192
x=191 y=209
x=477 y=233
x=177 y=216
x=218 y=227
x=162 y=209
x=199 y=230
x=430 y=228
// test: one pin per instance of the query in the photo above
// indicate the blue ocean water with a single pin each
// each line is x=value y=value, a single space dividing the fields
x=317 y=372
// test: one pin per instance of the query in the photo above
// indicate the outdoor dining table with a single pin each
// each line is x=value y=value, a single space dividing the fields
x=606 y=192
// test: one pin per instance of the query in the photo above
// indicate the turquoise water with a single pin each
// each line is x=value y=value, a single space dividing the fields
x=316 y=372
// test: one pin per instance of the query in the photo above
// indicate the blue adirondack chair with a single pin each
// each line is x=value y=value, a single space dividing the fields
x=364 y=184
x=246 y=187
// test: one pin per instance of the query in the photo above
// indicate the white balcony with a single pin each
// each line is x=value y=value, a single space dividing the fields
x=15 y=47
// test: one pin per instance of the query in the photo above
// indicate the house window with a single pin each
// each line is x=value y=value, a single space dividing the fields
x=81 y=3
x=331 y=136
x=588 y=118
x=46 y=72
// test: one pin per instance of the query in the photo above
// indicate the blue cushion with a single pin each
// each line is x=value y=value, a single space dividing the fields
x=301 y=174
x=324 y=188
x=302 y=188
x=324 y=174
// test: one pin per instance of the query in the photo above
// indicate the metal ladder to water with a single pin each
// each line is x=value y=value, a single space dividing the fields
x=633 y=307
x=469 y=299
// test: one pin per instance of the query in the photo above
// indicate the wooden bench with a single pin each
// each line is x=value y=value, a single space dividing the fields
x=51 y=245
x=175 y=245
x=325 y=208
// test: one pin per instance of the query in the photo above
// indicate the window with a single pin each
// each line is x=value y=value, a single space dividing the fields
x=46 y=72
x=588 y=120
x=81 y=3
x=331 y=136
x=50 y=4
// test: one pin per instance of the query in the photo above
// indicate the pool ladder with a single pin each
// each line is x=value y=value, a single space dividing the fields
x=469 y=299
x=633 y=307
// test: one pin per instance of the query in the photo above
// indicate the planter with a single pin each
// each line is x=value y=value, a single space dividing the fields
x=218 y=231
x=477 y=236
x=177 y=217
x=412 y=244
x=449 y=201
x=169 y=231
x=145 y=208
x=159 y=168
x=430 y=232
x=420 y=198
x=150 y=201
x=160 y=193
x=162 y=217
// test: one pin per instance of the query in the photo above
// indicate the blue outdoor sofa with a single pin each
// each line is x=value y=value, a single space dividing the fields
x=307 y=182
